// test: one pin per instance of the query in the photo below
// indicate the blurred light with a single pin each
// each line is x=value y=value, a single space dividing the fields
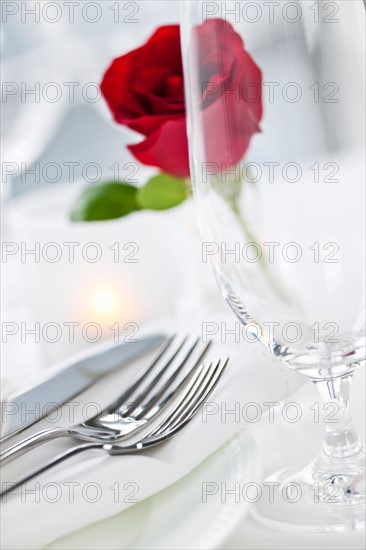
x=105 y=302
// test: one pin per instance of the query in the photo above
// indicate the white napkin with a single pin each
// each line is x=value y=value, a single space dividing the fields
x=94 y=486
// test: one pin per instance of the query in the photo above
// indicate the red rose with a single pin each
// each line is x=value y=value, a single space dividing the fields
x=229 y=86
x=144 y=90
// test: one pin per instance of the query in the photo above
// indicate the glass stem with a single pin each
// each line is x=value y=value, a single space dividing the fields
x=342 y=444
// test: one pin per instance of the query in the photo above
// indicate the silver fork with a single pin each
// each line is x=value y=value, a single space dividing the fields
x=131 y=411
x=201 y=384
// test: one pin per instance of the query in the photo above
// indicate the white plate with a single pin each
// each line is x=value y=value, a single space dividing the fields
x=177 y=517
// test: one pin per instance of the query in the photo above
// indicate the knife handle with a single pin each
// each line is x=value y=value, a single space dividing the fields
x=31 y=442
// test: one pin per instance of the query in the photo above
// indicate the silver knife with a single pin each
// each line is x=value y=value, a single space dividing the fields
x=30 y=406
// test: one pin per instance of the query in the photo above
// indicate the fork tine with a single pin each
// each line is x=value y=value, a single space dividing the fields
x=218 y=371
x=160 y=393
x=156 y=437
x=194 y=387
x=192 y=401
x=144 y=393
x=151 y=441
x=192 y=380
x=131 y=389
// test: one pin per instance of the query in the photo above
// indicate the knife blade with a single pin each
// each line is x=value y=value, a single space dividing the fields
x=30 y=406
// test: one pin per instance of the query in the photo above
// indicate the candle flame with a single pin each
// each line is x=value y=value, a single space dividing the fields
x=105 y=302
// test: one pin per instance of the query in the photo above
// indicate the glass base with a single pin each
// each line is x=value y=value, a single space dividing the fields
x=310 y=499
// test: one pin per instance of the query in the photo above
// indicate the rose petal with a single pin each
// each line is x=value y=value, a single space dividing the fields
x=216 y=45
x=174 y=87
x=231 y=106
x=249 y=76
x=151 y=85
x=167 y=148
x=117 y=88
x=119 y=81
x=213 y=91
x=227 y=127
x=150 y=123
x=163 y=48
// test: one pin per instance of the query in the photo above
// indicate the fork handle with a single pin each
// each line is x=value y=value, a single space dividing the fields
x=11 y=487
x=106 y=448
x=31 y=442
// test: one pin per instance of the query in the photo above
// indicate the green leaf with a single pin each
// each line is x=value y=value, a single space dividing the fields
x=106 y=201
x=162 y=192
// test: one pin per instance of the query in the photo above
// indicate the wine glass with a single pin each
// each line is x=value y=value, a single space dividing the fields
x=276 y=128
